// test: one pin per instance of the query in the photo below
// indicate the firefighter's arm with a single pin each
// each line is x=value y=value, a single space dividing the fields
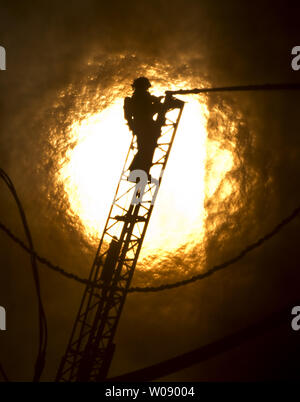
x=156 y=102
x=170 y=102
x=173 y=103
x=128 y=112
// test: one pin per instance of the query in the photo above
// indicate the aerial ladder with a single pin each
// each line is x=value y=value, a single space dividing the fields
x=91 y=346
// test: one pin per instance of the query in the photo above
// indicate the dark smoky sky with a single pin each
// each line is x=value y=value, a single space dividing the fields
x=88 y=50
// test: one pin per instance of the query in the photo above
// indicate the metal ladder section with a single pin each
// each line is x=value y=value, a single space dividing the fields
x=90 y=349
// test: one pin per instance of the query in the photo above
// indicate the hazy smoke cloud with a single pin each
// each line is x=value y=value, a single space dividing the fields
x=60 y=55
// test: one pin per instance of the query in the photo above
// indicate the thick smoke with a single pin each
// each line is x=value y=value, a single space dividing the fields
x=67 y=59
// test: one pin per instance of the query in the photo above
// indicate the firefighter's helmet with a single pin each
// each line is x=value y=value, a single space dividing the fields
x=141 y=83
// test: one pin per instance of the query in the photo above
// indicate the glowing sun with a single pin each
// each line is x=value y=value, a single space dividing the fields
x=91 y=170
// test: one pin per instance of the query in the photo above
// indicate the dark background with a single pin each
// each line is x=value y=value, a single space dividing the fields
x=56 y=45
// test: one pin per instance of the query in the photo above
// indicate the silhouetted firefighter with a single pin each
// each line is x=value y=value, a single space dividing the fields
x=91 y=345
x=139 y=111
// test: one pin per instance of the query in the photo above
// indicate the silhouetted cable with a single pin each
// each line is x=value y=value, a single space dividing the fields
x=208 y=351
x=45 y=261
x=225 y=264
x=3 y=373
x=263 y=87
x=43 y=333
x=195 y=278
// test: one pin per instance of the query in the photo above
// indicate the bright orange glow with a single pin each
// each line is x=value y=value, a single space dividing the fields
x=91 y=170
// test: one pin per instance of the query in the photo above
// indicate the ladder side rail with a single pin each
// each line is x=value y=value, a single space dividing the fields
x=102 y=300
x=95 y=338
x=92 y=277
